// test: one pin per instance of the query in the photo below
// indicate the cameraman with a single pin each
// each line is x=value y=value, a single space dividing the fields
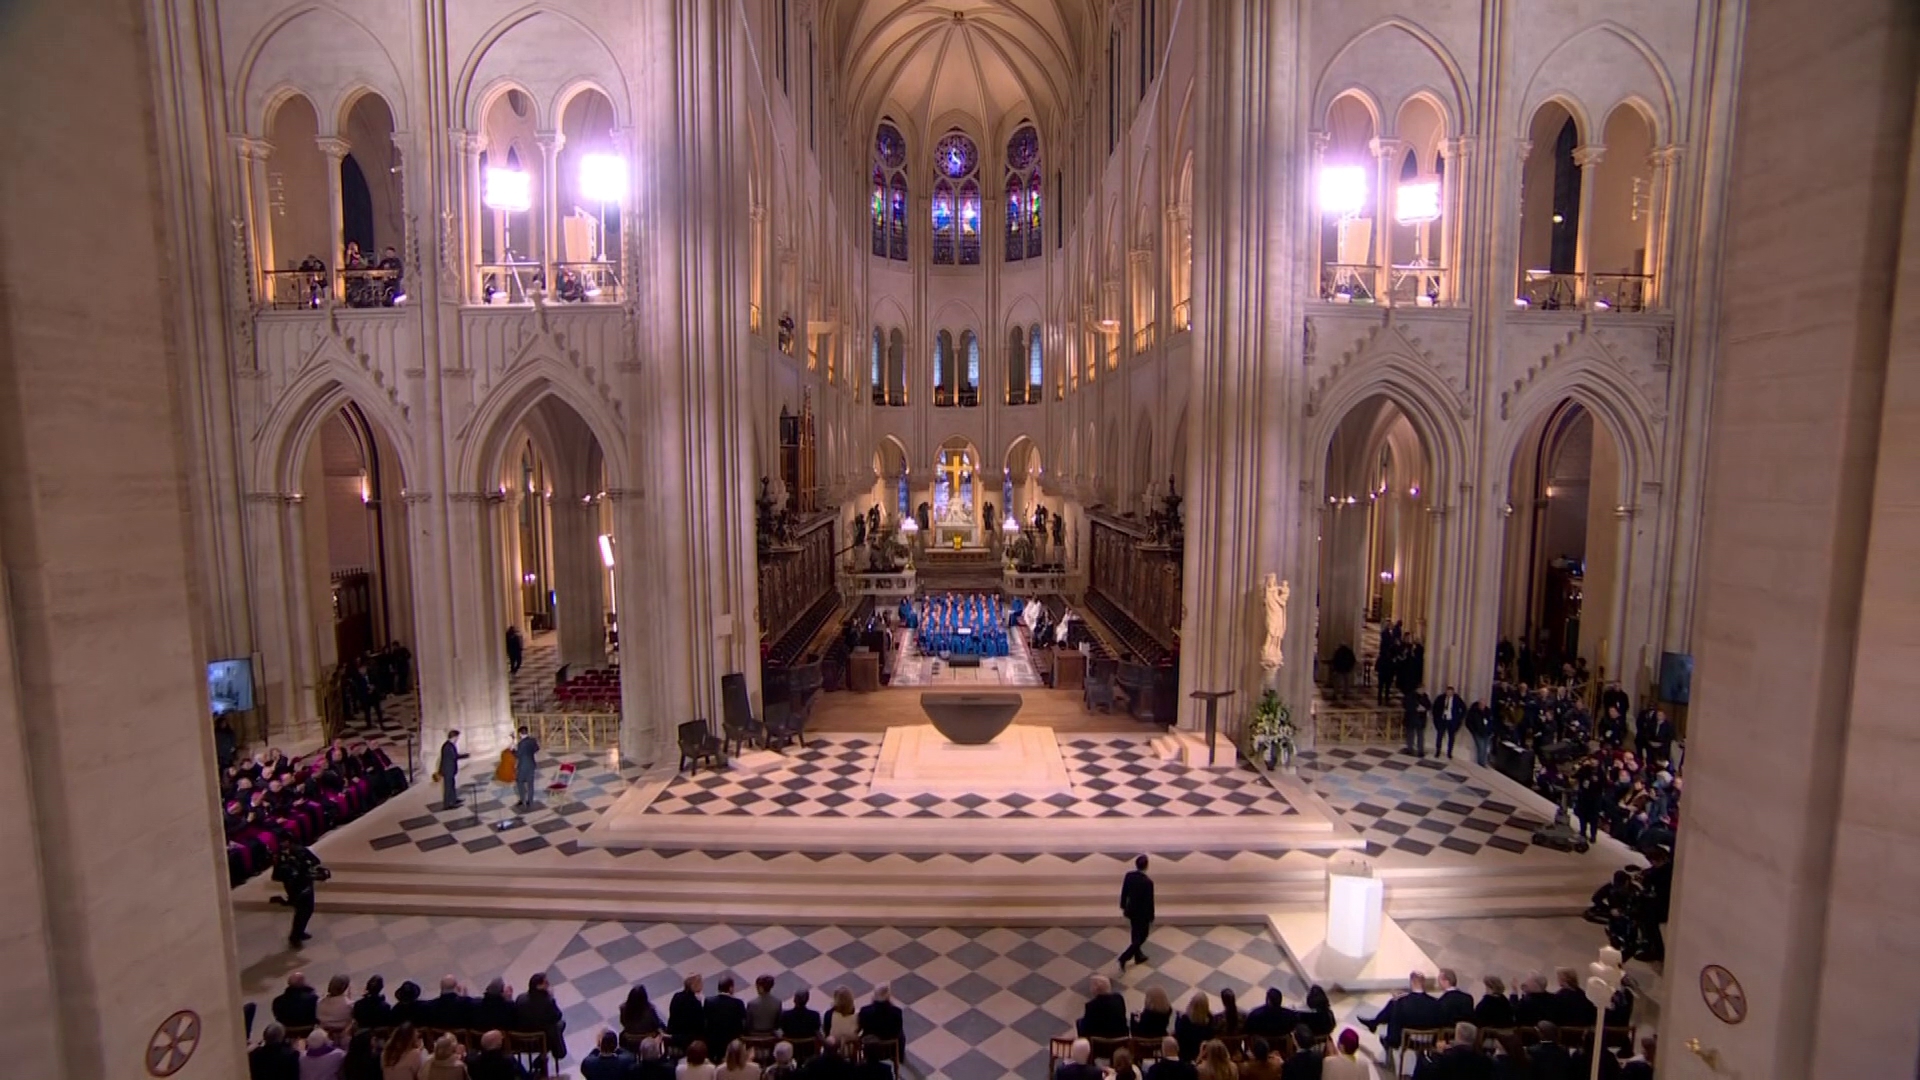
x=297 y=869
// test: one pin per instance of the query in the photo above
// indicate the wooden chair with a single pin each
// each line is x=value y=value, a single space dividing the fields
x=1103 y=1048
x=1421 y=1042
x=698 y=744
x=786 y=724
x=1059 y=1049
x=737 y=720
x=529 y=1048
x=883 y=1050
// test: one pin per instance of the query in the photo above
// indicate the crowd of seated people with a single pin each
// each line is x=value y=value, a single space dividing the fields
x=1501 y=1034
x=272 y=800
x=497 y=1036
x=1160 y=1041
x=967 y=624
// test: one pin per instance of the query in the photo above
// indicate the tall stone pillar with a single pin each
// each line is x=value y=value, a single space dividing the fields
x=471 y=216
x=549 y=208
x=1455 y=155
x=1799 y=852
x=114 y=893
x=1245 y=500
x=336 y=151
x=254 y=153
x=1664 y=161
x=1588 y=158
x=1386 y=164
x=696 y=437
x=578 y=577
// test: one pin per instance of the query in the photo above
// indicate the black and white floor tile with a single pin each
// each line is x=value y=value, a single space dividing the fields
x=475 y=825
x=399 y=715
x=1112 y=778
x=1416 y=805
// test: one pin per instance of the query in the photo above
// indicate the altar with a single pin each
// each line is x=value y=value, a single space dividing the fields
x=956 y=527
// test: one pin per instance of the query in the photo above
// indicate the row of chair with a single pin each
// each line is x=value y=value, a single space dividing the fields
x=760 y=1048
x=529 y=1048
x=1144 y=1050
x=1424 y=1042
x=785 y=724
x=792 y=645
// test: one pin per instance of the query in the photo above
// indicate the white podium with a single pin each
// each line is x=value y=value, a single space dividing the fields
x=1355 y=900
x=1352 y=943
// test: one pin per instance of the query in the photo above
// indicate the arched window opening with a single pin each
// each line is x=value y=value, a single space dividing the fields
x=943 y=378
x=970 y=389
x=1550 y=213
x=956 y=201
x=297 y=250
x=1016 y=366
x=889 y=192
x=1347 y=206
x=1621 y=231
x=1036 y=377
x=896 y=367
x=511 y=253
x=1023 y=194
x=876 y=380
x=593 y=189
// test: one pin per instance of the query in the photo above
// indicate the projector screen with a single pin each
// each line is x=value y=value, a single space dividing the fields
x=230 y=685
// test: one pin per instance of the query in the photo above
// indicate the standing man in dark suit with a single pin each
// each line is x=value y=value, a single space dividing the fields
x=1449 y=712
x=1136 y=903
x=1415 y=721
x=726 y=1016
x=450 y=757
x=296 y=869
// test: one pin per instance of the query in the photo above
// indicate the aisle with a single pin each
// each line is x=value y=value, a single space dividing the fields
x=918 y=669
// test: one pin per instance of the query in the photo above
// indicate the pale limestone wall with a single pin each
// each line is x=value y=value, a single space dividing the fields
x=115 y=882
x=1797 y=854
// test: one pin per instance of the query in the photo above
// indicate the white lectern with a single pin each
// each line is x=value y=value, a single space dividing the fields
x=1355 y=899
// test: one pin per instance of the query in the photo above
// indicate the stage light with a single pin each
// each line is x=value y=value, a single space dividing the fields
x=603 y=178
x=1417 y=204
x=1343 y=190
x=508 y=189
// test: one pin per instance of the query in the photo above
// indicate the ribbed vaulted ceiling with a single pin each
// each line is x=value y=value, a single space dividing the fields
x=921 y=60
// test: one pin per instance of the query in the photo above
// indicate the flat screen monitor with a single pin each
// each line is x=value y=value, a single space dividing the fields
x=230 y=685
x=1676 y=677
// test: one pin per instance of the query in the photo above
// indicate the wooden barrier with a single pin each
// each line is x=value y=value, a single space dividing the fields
x=1348 y=726
x=561 y=730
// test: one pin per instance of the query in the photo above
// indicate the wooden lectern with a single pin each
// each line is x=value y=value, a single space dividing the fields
x=1212 y=698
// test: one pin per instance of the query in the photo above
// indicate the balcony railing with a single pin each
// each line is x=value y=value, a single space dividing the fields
x=1350 y=283
x=1415 y=285
x=1620 y=292
x=587 y=282
x=1025 y=395
x=1183 y=316
x=510 y=282
x=370 y=288
x=288 y=289
x=1544 y=290
x=1143 y=338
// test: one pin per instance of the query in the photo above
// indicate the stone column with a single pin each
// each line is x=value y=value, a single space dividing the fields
x=507 y=572
x=1588 y=158
x=549 y=204
x=578 y=584
x=1659 y=213
x=1246 y=483
x=115 y=893
x=466 y=202
x=253 y=154
x=336 y=151
x=1456 y=154
x=1799 y=852
x=1316 y=221
x=1386 y=162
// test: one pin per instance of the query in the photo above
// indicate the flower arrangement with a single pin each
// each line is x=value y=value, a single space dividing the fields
x=1272 y=732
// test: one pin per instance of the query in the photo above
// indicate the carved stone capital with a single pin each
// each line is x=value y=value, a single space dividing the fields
x=1455 y=149
x=250 y=147
x=1588 y=157
x=1387 y=148
x=1665 y=157
x=467 y=143
x=550 y=141
x=474 y=498
x=272 y=498
x=334 y=147
x=416 y=498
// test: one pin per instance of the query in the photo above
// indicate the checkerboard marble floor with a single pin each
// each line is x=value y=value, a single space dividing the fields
x=399 y=715
x=981 y=1002
x=1014 y=669
x=555 y=823
x=1112 y=777
x=1416 y=805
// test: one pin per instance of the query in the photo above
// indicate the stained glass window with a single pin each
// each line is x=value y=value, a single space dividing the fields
x=1023 y=194
x=939 y=360
x=956 y=156
x=969 y=224
x=943 y=223
x=889 y=192
x=955 y=204
x=973 y=361
x=1035 y=378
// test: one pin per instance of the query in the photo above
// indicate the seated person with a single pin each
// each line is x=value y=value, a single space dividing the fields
x=1271 y=1019
x=1533 y=1004
x=687 y=1014
x=726 y=1017
x=295 y=1006
x=763 y=1012
x=1155 y=1018
x=1461 y=1060
x=1571 y=1007
x=1415 y=1010
x=539 y=1012
x=1170 y=1067
x=492 y=1062
x=606 y=1061
x=452 y=1010
x=1455 y=1004
x=494 y=1011
x=881 y=1021
x=1262 y=1061
x=407 y=1008
x=1105 y=1016
x=1307 y=1061
x=1079 y=1064
x=276 y=1059
x=637 y=1014
x=1494 y=1009
x=372 y=1010
x=1319 y=1014
x=800 y=1022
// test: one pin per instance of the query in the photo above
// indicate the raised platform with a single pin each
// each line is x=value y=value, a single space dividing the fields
x=1022 y=760
x=1118 y=796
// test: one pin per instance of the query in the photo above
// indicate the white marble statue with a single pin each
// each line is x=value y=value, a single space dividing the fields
x=958 y=513
x=1277 y=593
